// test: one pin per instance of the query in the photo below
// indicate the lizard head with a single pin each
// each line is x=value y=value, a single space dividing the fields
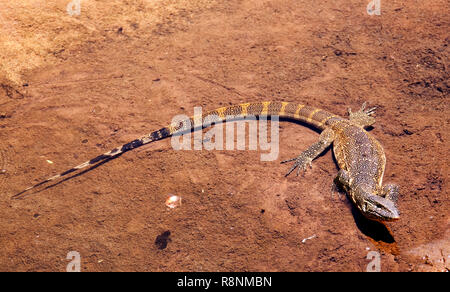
x=377 y=208
x=375 y=203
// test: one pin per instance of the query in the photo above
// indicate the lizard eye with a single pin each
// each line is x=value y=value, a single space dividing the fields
x=370 y=207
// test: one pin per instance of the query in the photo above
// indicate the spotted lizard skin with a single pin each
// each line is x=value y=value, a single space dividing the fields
x=360 y=156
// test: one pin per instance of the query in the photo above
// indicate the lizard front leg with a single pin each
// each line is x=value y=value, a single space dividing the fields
x=326 y=138
x=343 y=178
x=391 y=192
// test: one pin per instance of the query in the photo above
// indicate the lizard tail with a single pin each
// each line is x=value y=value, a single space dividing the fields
x=154 y=136
x=301 y=112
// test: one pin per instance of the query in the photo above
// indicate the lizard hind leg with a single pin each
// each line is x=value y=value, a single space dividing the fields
x=343 y=180
x=363 y=117
x=305 y=159
x=341 y=184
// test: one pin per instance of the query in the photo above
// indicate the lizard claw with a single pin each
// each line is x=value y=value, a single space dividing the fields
x=300 y=163
x=363 y=117
x=369 y=111
x=363 y=106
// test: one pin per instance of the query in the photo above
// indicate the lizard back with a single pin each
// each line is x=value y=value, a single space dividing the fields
x=360 y=154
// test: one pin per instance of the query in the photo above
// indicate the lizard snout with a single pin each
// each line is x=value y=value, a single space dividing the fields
x=379 y=209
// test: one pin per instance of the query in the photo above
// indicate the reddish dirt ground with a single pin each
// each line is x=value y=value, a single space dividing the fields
x=238 y=213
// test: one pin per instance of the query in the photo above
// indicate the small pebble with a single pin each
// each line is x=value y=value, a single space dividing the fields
x=173 y=201
x=308 y=238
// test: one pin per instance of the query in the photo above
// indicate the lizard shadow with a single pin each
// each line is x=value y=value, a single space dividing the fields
x=373 y=229
x=22 y=195
x=25 y=193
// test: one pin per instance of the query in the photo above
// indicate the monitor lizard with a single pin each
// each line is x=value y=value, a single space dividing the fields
x=360 y=156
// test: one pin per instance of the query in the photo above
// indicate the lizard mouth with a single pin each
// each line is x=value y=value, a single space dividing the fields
x=386 y=218
x=382 y=216
x=380 y=209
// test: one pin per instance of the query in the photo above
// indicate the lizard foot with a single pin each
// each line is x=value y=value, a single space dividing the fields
x=363 y=110
x=343 y=179
x=391 y=192
x=307 y=156
x=300 y=163
x=363 y=117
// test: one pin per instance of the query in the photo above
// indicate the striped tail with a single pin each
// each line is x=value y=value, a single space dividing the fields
x=300 y=112
x=154 y=136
